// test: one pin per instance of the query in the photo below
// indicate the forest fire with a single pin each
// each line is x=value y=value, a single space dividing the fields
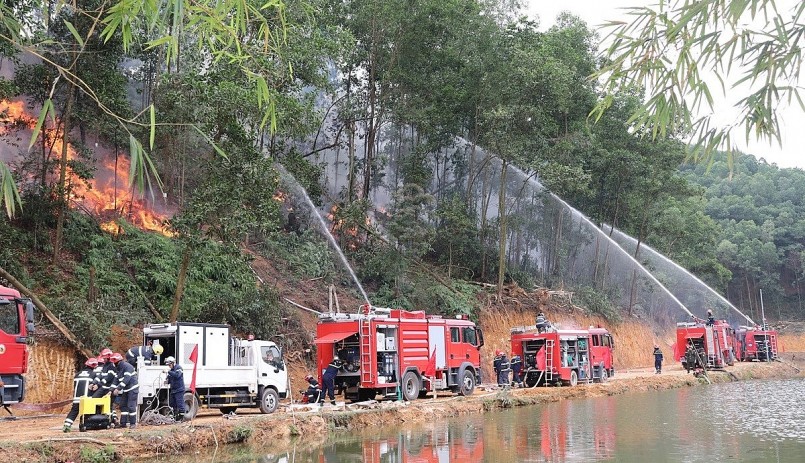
x=107 y=196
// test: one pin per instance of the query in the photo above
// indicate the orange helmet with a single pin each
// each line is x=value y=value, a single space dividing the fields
x=91 y=362
x=498 y=352
x=106 y=353
x=116 y=357
x=308 y=377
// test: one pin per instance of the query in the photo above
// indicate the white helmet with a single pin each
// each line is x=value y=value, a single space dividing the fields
x=170 y=360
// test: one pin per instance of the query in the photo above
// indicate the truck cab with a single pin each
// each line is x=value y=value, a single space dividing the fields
x=16 y=325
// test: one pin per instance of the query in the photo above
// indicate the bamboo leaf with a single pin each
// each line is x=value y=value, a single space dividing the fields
x=46 y=108
x=153 y=127
x=75 y=33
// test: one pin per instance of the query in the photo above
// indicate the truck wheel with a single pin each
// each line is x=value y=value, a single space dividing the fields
x=269 y=400
x=410 y=386
x=604 y=375
x=467 y=385
x=531 y=379
x=190 y=405
x=574 y=378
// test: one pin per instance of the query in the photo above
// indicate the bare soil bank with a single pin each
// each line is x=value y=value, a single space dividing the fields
x=41 y=439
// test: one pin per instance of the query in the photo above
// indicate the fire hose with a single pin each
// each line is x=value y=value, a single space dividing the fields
x=41 y=407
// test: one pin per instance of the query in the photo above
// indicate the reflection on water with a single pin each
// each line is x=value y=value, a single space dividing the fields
x=747 y=421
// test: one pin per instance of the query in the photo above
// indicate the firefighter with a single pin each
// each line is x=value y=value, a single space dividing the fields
x=517 y=367
x=711 y=320
x=127 y=389
x=542 y=323
x=496 y=363
x=690 y=358
x=81 y=382
x=657 y=359
x=175 y=379
x=505 y=369
x=329 y=380
x=104 y=383
x=313 y=393
x=148 y=352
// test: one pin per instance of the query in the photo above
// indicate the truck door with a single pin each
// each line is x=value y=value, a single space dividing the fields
x=470 y=345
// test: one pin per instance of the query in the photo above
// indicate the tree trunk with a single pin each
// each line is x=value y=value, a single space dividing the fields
x=180 y=283
x=62 y=187
x=502 y=240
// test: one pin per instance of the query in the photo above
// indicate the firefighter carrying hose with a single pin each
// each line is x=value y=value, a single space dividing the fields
x=81 y=383
x=127 y=388
x=328 y=378
x=657 y=359
x=175 y=380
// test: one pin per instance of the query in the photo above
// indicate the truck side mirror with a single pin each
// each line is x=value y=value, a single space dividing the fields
x=29 y=317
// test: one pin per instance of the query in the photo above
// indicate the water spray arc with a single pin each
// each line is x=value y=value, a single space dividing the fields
x=293 y=185
x=656 y=258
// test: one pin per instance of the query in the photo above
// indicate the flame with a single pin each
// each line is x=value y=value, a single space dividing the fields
x=108 y=195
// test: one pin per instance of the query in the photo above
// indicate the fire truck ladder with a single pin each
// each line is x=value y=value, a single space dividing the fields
x=548 y=361
x=366 y=350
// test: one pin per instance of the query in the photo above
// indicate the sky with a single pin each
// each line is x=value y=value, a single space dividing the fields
x=596 y=12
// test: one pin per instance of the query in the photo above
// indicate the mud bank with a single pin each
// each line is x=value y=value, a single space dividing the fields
x=41 y=440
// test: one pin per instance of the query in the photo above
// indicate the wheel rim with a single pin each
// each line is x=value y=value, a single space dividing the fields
x=269 y=401
x=574 y=379
x=468 y=382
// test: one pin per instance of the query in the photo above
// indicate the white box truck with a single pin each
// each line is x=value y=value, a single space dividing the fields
x=231 y=373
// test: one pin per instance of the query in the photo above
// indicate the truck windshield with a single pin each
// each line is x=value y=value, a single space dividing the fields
x=270 y=354
x=9 y=317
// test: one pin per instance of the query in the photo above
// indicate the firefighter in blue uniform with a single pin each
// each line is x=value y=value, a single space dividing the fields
x=657 y=359
x=313 y=394
x=517 y=367
x=505 y=369
x=496 y=364
x=104 y=382
x=328 y=378
x=81 y=382
x=126 y=389
x=148 y=352
x=175 y=380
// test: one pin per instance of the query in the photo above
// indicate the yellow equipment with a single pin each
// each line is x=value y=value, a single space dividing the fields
x=94 y=413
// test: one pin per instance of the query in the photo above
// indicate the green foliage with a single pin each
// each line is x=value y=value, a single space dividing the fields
x=308 y=255
x=308 y=175
x=105 y=454
x=240 y=433
x=597 y=302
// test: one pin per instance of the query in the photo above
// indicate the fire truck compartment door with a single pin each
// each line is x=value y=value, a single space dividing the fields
x=436 y=337
x=334 y=337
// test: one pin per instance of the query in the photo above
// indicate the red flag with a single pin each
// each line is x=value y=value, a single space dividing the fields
x=194 y=358
x=541 y=359
x=430 y=370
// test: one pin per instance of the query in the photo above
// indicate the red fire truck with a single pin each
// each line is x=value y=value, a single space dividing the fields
x=385 y=349
x=701 y=345
x=16 y=324
x=755 y=343
x=563 y=356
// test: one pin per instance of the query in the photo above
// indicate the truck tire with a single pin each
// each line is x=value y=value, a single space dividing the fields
x=604 y=374
x=269 y=400
x=574 y=378
x=410 y=386
x=190 y=405
x=467 y=383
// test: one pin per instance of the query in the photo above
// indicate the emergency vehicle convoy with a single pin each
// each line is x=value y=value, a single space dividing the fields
x=565 y=356
x=220 y=371
x=381 y=350
x=705 y=345
x=16 y=325
x=755 y=343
